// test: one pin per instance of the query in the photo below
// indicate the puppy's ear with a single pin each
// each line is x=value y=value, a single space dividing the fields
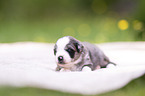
x=79 y=47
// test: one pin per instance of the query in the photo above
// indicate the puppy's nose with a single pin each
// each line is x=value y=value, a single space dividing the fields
x=60 y=59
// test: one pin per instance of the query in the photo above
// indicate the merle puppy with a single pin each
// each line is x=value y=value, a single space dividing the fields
x=74 y=55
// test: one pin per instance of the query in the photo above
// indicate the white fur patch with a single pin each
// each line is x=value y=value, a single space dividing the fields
x=65 y=55
x=61 y=43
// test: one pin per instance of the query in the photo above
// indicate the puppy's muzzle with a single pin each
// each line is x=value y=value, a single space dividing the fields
x=61 y=60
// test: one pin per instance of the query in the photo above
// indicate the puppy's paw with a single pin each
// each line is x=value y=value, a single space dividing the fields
x=57 y=68
x=111 y=66
x=65 y=70
x=86 y=69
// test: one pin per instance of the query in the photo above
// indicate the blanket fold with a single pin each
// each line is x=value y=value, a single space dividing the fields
x=32 y=64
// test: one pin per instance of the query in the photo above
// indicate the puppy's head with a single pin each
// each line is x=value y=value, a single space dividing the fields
x=67 y=50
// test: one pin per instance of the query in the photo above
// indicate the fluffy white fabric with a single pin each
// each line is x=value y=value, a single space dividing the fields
x=33 y=64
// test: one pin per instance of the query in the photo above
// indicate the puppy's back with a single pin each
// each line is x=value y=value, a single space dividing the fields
x=96 y=55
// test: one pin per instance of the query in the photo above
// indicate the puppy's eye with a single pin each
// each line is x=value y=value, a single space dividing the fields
x=71 y=52
x=54 y=51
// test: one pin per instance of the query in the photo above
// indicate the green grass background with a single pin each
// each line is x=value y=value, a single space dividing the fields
x=96 y=30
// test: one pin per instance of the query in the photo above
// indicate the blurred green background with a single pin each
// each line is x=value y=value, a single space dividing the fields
x=96 y=21
x=88 y=20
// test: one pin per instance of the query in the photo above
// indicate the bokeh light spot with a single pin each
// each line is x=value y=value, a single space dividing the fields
x=100 y=37
x=68 y=32
x=84 y=30
x=123 y=24
x=99 y=6
x=137 y=25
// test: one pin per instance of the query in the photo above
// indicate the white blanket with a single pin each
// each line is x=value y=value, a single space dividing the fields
x=33 y=64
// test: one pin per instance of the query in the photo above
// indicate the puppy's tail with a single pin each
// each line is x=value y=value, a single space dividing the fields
x=106 y=59
x=112 y=63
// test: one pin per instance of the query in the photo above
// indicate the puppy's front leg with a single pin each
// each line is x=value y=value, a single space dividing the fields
x=86 y=69
x=58 y=68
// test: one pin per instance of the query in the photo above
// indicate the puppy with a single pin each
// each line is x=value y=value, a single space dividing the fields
x=73 y=55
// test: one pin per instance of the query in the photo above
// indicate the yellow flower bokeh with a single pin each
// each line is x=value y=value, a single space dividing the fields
x=123 y=24
x=137 y=25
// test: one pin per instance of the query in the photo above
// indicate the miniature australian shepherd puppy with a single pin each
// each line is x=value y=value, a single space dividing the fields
x=73 y=55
